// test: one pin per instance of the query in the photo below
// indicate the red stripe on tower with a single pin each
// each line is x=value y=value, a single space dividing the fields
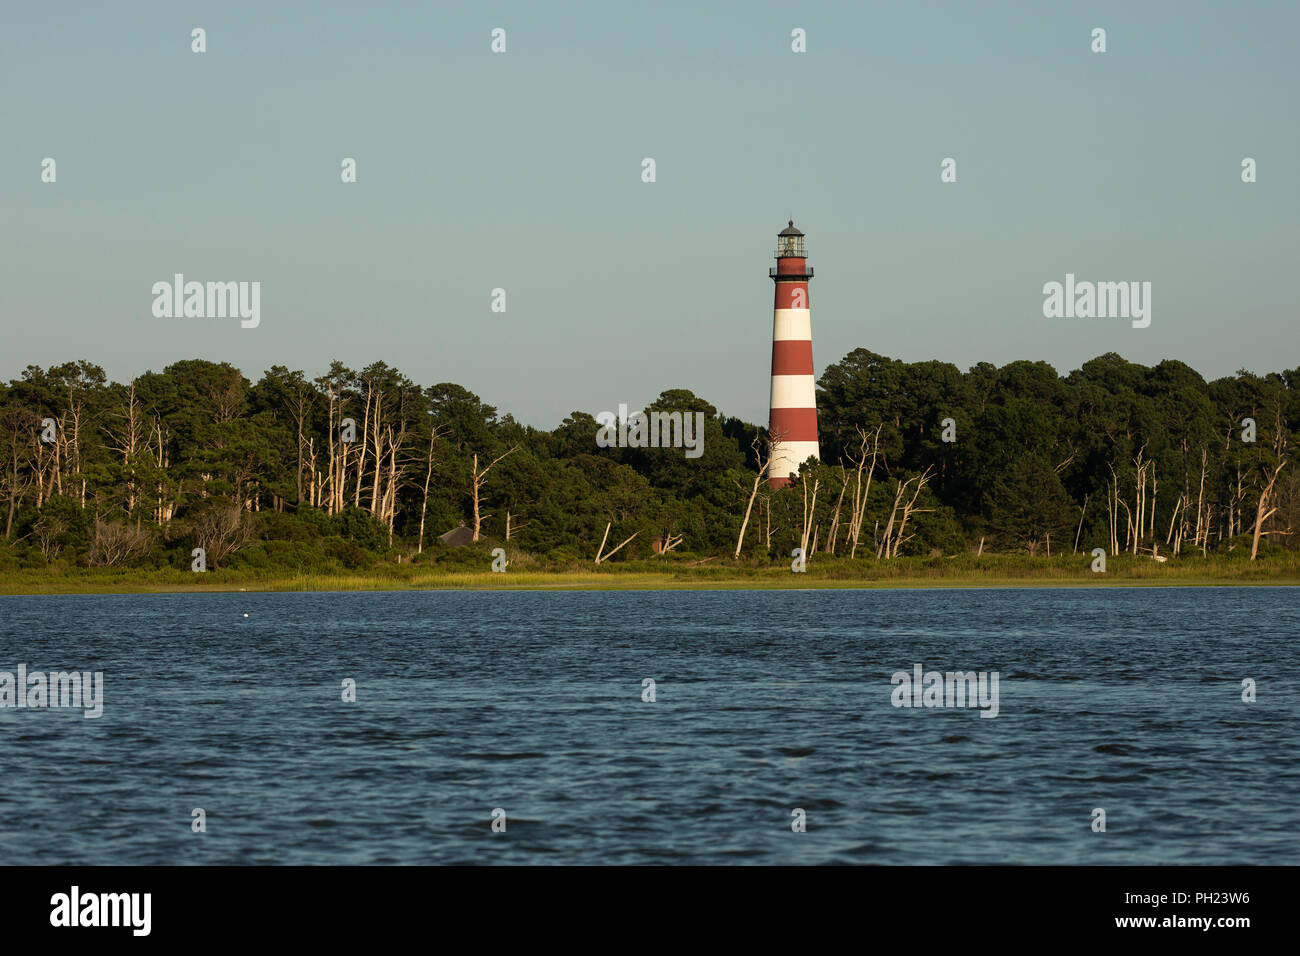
x=793 y=420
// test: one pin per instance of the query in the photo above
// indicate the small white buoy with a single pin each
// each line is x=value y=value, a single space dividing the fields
x=245 y=615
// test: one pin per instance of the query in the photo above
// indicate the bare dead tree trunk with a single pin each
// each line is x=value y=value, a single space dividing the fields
x=600 y=555
x=763 y=466
x=128 y=444
x=910 y=508
x=860 y=495
x=376 y=495
x=361 y=453
x=434 y=433
x=476 y=486
x=1129 y=539
x=1136 y=516
x=1177 y=506
x=808 y=513
x=1200 y=498
x=1082 y=514
x=1112 y=508
x=835 y=519
x=882 y=547
x=1260 y=514
x=389 y=504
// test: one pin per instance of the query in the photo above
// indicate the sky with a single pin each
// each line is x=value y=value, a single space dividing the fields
x=522 y=171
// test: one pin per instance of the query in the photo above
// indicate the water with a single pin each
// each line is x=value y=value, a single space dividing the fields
x=1123 y=699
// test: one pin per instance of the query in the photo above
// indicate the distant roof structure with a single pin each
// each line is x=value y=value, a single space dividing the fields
x=457 y=536
x=790 y=230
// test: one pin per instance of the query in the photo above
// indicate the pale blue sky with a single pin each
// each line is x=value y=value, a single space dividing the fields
x=522 y=171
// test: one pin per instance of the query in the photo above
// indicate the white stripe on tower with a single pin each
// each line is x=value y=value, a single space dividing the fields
x=793 y=420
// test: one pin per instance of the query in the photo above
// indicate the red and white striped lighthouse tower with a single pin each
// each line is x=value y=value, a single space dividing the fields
x=793 y=421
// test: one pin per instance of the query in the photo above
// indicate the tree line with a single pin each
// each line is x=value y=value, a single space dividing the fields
x=359 y=466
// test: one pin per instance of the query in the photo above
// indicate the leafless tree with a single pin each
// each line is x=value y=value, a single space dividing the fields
x=858 y=506
x=809 y=510
x=1260 y=514
x=894 y=539
x=600 y=552
x=116 y=543
x=764 y=465
x=221 y=530
x=476 y=487
x=434 y=434
x=47 y=529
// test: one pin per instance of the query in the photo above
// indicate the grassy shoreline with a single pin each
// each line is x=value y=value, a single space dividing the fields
x=992 y=571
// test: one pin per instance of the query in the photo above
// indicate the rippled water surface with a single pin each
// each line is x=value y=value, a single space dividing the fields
x=1124 y=699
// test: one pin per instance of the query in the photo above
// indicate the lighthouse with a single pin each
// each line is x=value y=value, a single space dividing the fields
x=793 y=420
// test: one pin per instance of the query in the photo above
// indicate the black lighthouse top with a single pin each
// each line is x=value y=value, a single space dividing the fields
x=789 y=243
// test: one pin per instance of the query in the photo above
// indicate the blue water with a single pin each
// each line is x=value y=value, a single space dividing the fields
x=1127 y=700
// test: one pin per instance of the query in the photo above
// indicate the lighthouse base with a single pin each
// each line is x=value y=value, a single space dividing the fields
x=787 y=457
